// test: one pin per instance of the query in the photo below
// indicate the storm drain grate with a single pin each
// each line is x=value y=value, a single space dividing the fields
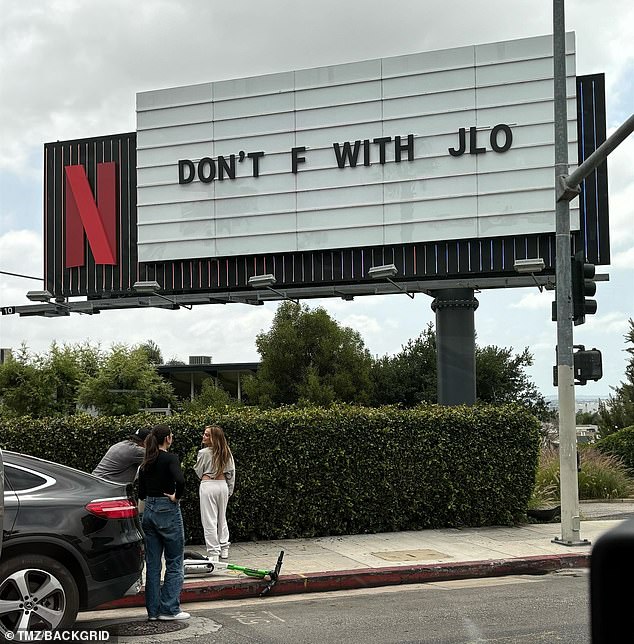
x=421 y=554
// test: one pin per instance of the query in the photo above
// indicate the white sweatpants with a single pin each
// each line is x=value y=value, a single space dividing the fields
x=213 y=514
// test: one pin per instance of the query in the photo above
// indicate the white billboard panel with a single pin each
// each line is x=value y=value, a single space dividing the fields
x=441 y=145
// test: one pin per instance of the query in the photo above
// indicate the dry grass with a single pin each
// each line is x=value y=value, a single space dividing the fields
x=602 y=476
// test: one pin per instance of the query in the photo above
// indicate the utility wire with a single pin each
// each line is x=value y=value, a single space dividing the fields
x=28 y=277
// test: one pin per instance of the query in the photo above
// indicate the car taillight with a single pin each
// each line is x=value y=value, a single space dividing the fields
x=113 y=508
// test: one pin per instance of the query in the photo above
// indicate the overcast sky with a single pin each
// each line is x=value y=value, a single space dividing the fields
x=71 y=69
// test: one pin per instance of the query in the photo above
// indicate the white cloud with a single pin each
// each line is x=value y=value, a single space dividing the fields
x=534 y=300
x=363 y=324
x=624 y=259
x=20 y=252
x=621 y=194
x=608 y=325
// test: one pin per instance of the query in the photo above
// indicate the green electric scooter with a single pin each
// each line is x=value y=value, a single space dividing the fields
x=197 y=565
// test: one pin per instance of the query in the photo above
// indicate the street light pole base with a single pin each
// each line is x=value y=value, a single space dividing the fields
x=563 y=542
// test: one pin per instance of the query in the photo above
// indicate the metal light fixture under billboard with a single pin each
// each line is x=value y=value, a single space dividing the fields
x=262 y=281
x=152 y=287
x=535 y=265
x=58 y=308
x=266 y=280
x=39 y=296
x=387 y=272
x=149 y=287
x=532 y=266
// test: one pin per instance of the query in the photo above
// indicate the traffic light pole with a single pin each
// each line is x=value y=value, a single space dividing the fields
x=569 y=493
x=567 y=188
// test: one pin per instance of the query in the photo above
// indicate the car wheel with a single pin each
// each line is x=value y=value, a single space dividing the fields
x=36 y=593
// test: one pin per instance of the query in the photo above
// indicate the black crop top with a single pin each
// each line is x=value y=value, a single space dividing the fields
x=162 y=476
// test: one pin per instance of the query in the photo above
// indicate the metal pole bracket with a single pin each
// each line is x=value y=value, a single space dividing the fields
x=566 y=192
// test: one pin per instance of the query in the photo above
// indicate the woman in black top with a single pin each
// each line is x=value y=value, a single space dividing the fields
x=161 y=484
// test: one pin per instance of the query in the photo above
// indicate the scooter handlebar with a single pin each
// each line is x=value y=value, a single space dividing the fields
x=274 y=575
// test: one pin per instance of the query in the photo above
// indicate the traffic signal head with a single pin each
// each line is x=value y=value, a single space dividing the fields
x=583 y=285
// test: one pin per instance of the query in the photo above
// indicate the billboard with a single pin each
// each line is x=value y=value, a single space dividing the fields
x=455 y=181
x=451 y=144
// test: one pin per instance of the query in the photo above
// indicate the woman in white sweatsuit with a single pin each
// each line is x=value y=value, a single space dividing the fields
x=217 y=473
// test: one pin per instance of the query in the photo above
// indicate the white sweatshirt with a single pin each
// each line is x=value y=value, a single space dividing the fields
x=205 y=465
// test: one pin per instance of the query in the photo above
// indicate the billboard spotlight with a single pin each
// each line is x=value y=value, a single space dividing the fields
x=535 y=265
x=381 y=272
x=39 y=296
x=262 y=281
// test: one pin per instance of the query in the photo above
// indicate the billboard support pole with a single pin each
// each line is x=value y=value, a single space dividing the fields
x=455 y=345
x=569 y=492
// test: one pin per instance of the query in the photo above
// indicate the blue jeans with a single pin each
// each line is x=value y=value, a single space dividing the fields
x=164 y=535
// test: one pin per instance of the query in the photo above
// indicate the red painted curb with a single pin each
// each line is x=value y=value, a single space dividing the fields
x=244 y=588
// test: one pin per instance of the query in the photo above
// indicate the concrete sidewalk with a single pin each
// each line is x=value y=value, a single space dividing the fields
x=362 y=561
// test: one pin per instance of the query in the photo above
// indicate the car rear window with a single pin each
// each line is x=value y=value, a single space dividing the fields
x=21 y=480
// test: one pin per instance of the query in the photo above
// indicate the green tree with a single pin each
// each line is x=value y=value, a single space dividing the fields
x=68 y=366
x=153 y=352
x=618 y=412
x=26 y=387
x=54 y=383
x=210 y=397
x=409 y=377
x=307 y=357
x=501 y=378
x=125 y=383
x=46 y=384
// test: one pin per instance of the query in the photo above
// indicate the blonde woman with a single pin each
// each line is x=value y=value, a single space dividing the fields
x=217 y=473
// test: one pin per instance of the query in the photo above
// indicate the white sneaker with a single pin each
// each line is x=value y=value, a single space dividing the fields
x=212 y=558
x=224 y=552
x=170 y=618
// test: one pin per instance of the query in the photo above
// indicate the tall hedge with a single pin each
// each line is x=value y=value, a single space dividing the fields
x=343 y=470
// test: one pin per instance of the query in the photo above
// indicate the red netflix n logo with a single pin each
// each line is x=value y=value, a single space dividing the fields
x=97 y=217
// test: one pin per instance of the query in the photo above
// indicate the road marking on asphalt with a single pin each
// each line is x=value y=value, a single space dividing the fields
x=251 y=617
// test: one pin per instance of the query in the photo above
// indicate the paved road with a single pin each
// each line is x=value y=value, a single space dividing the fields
x=508 y=610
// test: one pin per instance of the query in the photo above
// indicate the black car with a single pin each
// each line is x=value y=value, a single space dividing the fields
x=70 y=542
